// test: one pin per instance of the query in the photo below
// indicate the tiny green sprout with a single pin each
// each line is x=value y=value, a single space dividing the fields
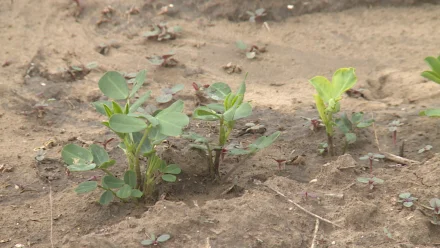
x=257 y=16
x=153 y=240
x=348 y=126
x=252 y=52
x=435 y=204
x=407 y=199
x=168 y=94
x=372 y=157
x=425 y=148
x=389 y=235
x=392 y=127
x=371 y=181
x=322 y=148
x=165 y=60
x=161 y=32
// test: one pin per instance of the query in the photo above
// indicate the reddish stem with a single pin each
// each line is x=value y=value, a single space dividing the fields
x=371 y=166
x=395 y=137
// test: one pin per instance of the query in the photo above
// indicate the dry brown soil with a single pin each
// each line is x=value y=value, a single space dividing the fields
x=386 y=44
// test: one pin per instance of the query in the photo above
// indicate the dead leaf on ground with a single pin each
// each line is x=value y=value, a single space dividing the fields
x=231 y=68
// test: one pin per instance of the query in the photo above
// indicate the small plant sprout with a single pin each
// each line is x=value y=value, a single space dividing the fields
x=313 y=123
x=79 y=71
x=306 y=195
x=153 y=240
x=389 y=235
x=348 y=126
x=257 y=16
x=371 y=181
x=372 y=157
x=168 y=94
x=322 y=148
x=139 y=134
x=406 y=199
x=328 y=98
x=392 y=127
x=161 y=32
x=251 y=52
x=231 y=109
x=435 y=204
x=165 y=60
x=426 y=148
x=201 y=96
x=434 y=76
x=280 y=163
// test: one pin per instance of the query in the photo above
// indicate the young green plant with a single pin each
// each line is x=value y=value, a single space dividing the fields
x=348 y=126
x=139 y=133
x=153 y=240
x=372 y=157
x=406 y=199
x=371 y=181
x=328 y=98
x=392 y=127
x=231 y=109
x=434 y=76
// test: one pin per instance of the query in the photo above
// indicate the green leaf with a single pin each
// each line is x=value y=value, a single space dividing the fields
x=86 y=187
x=431 y=76
x=130 y=178
x=236 y=151
x=260 y=11
x=124 y=192
x=357 y=117
x=92 y=65
x=241 y=45
x=107 y=164
x=196 y=137
x=364 y=124
x=126 y=124
x=229 y=114
x=350 y=137
x=136 y=193
x=100 y=155
x=219 y=108
x=106 y=197
x=344 y=124
x=377 y=180
x=363 y=179
x=430 y=113
x=205 y=113
x=218 y=91
x=138 y=103
x=146 y=146
x=244 y=110
x=265 y=141
x=108 y=110
x=169 y=178
x=200 y=147
x=434 y=63
x=404 y=195
x=163 y=238
x=176 y=88
x=164 y=98
x=250 y=55
x=177 y=106
x=172 y=169
x=112 y=182
x=343 y=79
x=138 y=82
x=156 y=60
x=73 y=154
x=408 y=204
x=113 y=85
x=147 y=242
x=99 y=106
x=155 y=136
x=81 y=167
x=117 y=108
x=172 y=123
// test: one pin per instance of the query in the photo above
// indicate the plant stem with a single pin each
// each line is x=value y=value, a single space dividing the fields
x=371 y=166
x=106 y=171
x=210 y=163
x=345 y=147
x=330 y=145
x=137 y=167
x=394 y=137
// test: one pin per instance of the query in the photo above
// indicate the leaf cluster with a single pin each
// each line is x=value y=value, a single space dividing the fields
x=161 y=32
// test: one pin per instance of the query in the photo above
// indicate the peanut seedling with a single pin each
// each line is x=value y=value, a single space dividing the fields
x=161 y=32
x=406 y=199
x=139 y=133
x=328 y=98
x=232 y=109
x=371 y=181
x=392 y=127
x=348 y=126
x=153 y=240
x=168 y=94
x=434 y=76
x=372 y=157
x=257 y=16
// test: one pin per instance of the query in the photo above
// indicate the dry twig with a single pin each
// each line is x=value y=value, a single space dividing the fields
x=315 y=233
x=303 y=209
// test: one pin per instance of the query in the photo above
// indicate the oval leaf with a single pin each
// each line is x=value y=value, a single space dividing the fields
x=124 y=192
x=138 y=103
x=107 y=164
x=113 y=182
x=81 y=167
x=173 y=169
x=172 y=123
x=408 y=204
x=86 y=187
x=138 y=82
x=169 y=178
x=106 y=197
x=218 y=91
x=241 y=45
x=136 y=193
x=164 y=98
x=430 y=113
x=74 y=154
x=176 y=88
x=163 y=238
x=244 y=110
x=100 y=155
x=113 y=85
x=147 y=242
x=126 y=124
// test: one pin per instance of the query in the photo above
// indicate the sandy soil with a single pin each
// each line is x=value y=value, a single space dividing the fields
x=385 y=44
